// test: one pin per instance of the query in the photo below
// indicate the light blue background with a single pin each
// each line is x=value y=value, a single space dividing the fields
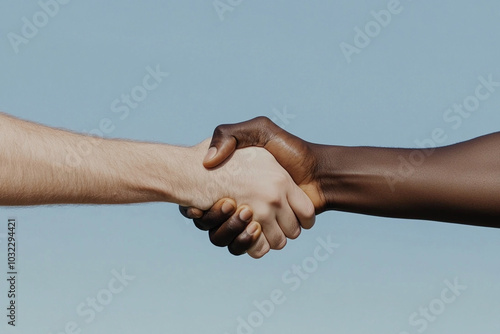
x=262 y=58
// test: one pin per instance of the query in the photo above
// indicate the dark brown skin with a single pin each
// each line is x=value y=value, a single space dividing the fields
x=225 y=228
x=458 y=183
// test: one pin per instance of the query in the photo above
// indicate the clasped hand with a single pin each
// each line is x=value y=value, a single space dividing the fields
x=270 y=188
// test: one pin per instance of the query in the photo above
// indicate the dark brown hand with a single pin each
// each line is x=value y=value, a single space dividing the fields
x=227 y=225
x=297 y=156
x=457 y=183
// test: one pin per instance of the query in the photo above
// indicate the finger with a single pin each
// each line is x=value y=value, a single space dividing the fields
x=216 y=215
x=272 y=232
x=246 y=239
x=221 y=147
x=302 y=206
x=228 y=137
x=259 y=248
x=288 y=222
x=274 y=235
x=190 y=212
x=224 y=234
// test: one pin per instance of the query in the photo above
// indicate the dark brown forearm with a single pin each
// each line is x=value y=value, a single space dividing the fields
x=458 y=183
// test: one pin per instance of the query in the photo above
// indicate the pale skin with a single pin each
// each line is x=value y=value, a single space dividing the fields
x=43 y=165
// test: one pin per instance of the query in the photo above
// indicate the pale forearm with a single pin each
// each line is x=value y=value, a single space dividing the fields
x=40 y=166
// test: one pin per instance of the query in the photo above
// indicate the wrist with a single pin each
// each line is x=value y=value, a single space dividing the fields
x=150 y=172
x=354 y=179
x=194 y=186
x=327 y=174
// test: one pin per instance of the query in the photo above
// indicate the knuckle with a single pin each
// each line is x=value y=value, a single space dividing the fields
x=219 y=133
x=265 y=121
x=281 y=243
x=264 y=214
x=216 y=239
x=294 y=234
x=258 y=253
x=275 y=201
x=309 y=222
x=239 y=246
x=214 y=218
x=228 y=231
x=273 y=197
x=234 y=226
x=220 y=129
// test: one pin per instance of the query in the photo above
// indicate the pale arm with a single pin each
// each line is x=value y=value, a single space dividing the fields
x=43 y=165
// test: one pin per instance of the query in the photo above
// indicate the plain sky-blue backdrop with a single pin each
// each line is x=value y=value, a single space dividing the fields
x=258 y=58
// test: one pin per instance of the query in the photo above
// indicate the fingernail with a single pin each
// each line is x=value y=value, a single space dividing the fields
x=245 y=215
x=252 y=228
x=212 y=151
x=227 y=207
x=195 y=214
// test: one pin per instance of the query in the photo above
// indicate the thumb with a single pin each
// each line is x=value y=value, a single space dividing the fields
x=221 y=147
x=228 y=137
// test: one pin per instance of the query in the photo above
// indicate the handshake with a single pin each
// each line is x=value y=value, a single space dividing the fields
x=275 y=184
x=253 y=185
x=278 y=182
